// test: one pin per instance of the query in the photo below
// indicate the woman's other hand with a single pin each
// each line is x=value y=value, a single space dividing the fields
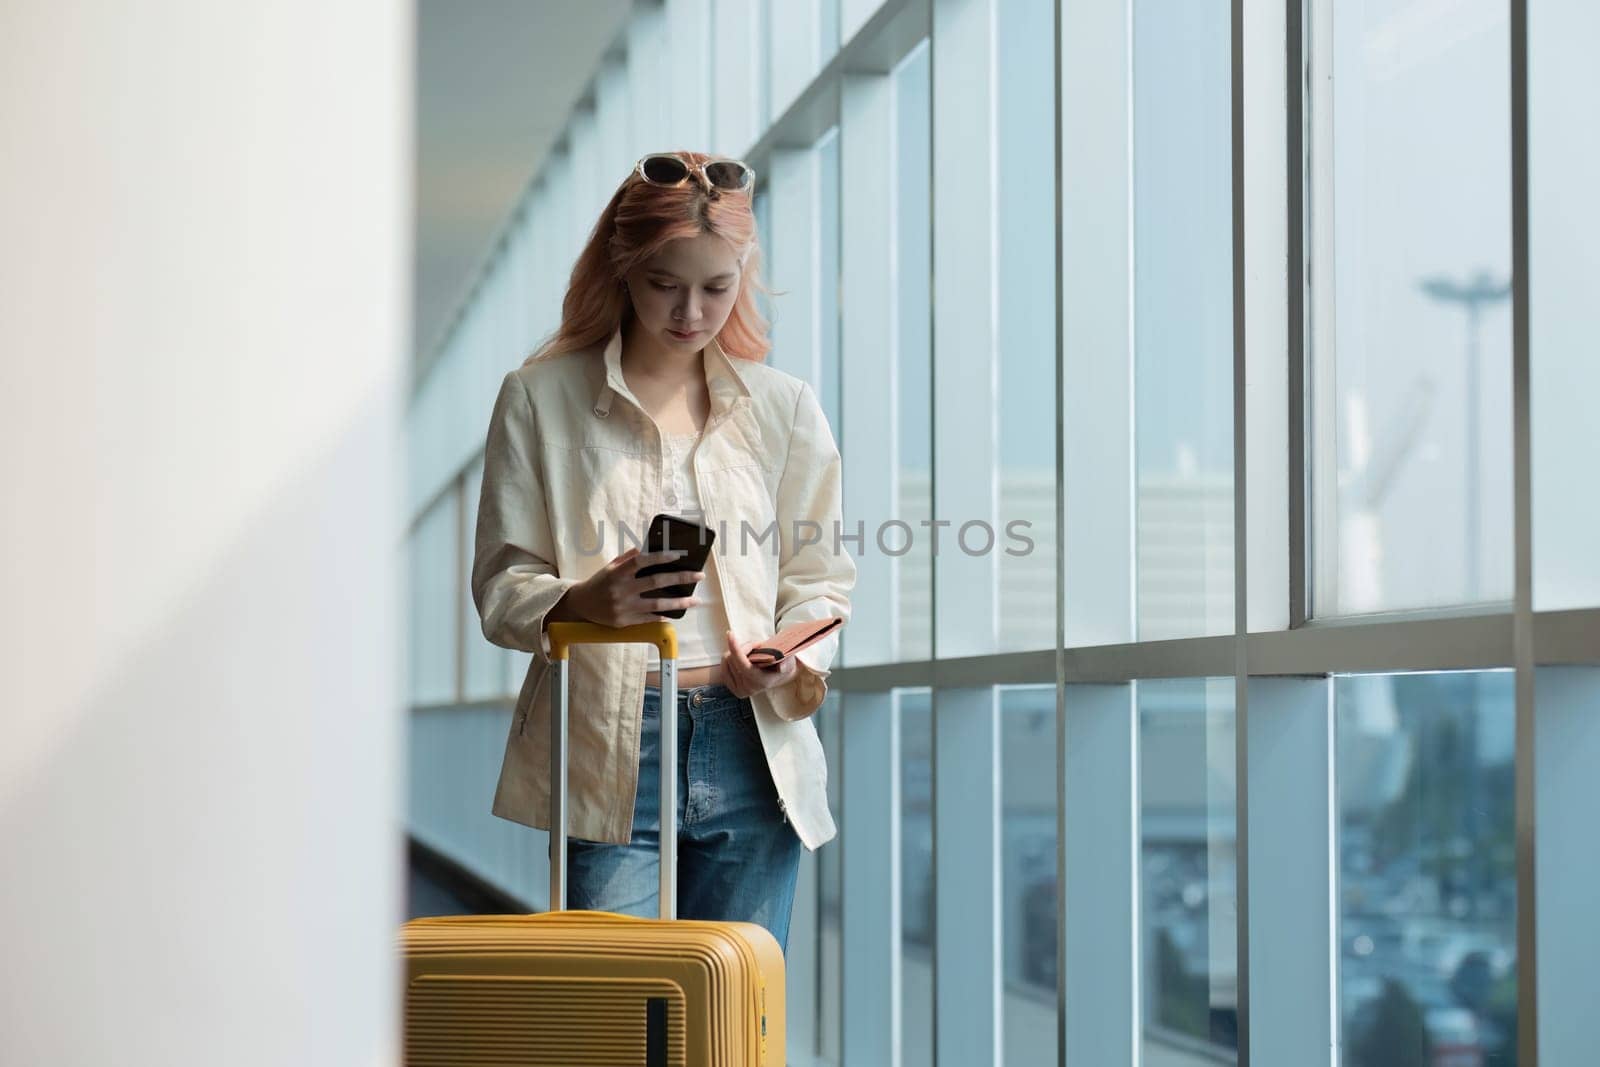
x=615 y=596
x=743 y=677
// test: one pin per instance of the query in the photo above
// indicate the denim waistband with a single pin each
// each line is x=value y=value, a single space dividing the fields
x=710 y=693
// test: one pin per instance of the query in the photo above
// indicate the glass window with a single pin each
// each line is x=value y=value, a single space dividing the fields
x=1188 y=860
x=1564 y=271
x=828 y=276
x=914 y=356
x=827 y=30
x=830 y=884
x=1028 y=872
x=1025 y=536
x=1427 y=862
x=1409 y=309
x=763 y=16
x=794 y=30
x=916 y=875
x=486 y=669
x=1183 y=318
x=761 y=207
x=432 y=650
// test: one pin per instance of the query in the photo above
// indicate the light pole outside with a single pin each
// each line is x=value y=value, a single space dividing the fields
x=1472 y=295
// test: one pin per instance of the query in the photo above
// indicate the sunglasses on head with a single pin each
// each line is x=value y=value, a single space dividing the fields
x=668 y=170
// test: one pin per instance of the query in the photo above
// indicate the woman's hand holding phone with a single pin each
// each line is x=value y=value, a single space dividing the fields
x=614 y=595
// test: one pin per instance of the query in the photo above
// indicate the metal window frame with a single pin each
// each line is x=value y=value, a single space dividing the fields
x=1522 y=624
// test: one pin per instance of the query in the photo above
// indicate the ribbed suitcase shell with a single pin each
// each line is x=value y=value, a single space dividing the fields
x=570 y=989
x=575 y=988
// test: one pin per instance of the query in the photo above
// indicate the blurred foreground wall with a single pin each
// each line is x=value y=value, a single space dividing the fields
x=205 y=210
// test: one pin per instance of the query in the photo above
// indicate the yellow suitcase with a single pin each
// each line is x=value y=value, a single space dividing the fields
x=578 y=988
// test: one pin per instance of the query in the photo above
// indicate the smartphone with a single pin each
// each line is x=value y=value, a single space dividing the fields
x=671 y=531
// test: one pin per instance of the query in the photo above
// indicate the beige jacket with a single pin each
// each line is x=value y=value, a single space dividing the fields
x=571 y=453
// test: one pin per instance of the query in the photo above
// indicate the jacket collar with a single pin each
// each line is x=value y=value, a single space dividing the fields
x=726 y=384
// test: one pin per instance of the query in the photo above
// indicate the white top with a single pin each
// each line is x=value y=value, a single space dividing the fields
x=702 y=639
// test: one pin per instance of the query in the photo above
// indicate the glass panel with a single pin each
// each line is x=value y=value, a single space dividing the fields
x=1025 y=539
x=486 y=667
x=830 y=874
x=1564 y=271
x=828 y=30
x=1188 y=861
x=763 y=18
x=1427 y=894
x=828 y=275
x=914 y=356
x=794 y=33
x=1410 y=317
x=1028 y=872
x=1183 y=318
x=432 y=565
x=761 y=207
x=916 y=875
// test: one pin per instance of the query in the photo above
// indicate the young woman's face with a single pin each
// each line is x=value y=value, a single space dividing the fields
x=685 y=292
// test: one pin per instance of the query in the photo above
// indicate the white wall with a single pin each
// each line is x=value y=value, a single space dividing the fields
x=203 y=292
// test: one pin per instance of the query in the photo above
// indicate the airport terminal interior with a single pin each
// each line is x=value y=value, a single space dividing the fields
x=1213 y=383
x=1245 y=714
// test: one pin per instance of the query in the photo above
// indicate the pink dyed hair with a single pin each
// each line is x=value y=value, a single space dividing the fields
x=637 y=223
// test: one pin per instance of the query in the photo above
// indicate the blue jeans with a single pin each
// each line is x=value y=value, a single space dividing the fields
x=738 y=857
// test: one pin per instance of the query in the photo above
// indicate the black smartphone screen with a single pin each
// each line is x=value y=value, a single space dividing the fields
x=670 y=531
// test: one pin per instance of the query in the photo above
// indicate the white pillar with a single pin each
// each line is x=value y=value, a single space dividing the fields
x=203 y=313
x=1097 y=320
x=1566 y=752
x=969 y=1020
x=1293 y=867
x=870 y=771
x=1100 y=918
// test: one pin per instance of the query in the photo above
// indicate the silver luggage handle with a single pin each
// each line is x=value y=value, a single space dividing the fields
x=563 y=635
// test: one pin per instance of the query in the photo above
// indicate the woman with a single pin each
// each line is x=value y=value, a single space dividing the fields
x=652 y=396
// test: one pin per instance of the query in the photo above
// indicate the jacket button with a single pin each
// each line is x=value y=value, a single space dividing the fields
x=600 y=412
x=672 y=498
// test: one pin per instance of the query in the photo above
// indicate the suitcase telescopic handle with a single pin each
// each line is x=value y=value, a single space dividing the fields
x=563 y=635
